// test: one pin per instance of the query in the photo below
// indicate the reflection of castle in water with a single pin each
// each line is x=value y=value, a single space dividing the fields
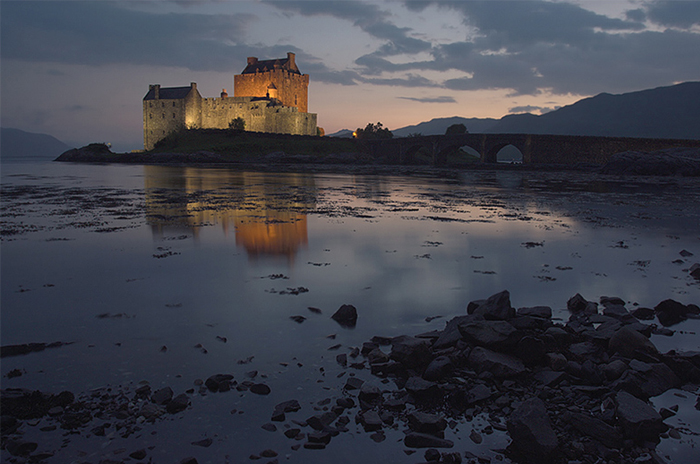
x=266 y=211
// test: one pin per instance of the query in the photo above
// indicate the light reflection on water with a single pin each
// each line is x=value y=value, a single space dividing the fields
x=176 y=256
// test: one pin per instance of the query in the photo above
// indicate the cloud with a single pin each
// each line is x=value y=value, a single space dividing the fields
x=680 y=14
x=411 y=80
x=98 y=33
x=530 y=109
x=443 y=99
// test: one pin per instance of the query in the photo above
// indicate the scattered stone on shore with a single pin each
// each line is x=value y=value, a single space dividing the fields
x=573 y=391
x=26 y=348
x=346 y=316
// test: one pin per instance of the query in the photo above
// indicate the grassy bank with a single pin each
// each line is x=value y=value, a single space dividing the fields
x=240 y=144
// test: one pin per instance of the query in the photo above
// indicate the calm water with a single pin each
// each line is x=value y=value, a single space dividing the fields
x=147 y=269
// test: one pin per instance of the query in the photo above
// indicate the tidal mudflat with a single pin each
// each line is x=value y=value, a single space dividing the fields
x=188 y=311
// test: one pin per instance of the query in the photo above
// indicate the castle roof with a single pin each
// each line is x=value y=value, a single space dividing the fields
x=255 y=65
x=168 y=93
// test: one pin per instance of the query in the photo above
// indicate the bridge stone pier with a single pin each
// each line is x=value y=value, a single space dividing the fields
x=535 y=148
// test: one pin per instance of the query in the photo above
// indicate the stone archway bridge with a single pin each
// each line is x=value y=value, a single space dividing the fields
x=535 y=148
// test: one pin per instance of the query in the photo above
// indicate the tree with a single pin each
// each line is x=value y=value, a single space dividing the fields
x=456 y=129
x=237 y=124
x=373 y=131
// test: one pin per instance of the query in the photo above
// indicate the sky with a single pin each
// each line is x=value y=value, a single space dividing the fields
x=78 y=70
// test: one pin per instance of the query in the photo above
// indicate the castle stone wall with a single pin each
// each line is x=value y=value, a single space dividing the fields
x=161 y=117
x=292 y=88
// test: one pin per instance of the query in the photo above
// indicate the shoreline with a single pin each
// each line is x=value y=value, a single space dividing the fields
x=678 y=162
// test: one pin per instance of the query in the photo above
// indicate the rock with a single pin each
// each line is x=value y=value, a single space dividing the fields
x=412 y=352
x=370 y=420
x=150 y=411
x=630 y=343
x=595 y=428
x=424 y=440
x=426 y=423
x=138 y=454
x=432 y=455
x=499 y=364
x=162 y=396
x=451 y=335
x=269 y=427
x=260 y=389
x=614 y=369
x=421 y=388
x=189 y=460
x=694 y=271
x=476 y=437
x=353 y=383
x=670 y=312
x=284 y=407
x=578 y=304
x=648 y=380
x=438 y=368
x=556 y=361
x=346 y=316
x=531 y=350
x=639 y=420
x=219 y=382
x=544 y=312
x=644 y=314
x=618 y=312
x=319 y=436
x=205 y=443
x=321 y=421
x=489 y=334
x=377 y=356
x=531 y=430
x=496 y=307
x=268 y=453
x=369 y=392
x=472 y=305
x=177 y=404
x=21 y=448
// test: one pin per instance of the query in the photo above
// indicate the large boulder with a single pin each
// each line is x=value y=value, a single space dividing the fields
x=639 y=420
x=499 y=364
x=670 y=312
x=346 y=316
x=496 y=307
x=630 y=344
x=412 y=352
x=490 y=334
x=531 y=431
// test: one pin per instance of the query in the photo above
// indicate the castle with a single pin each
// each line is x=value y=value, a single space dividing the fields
x=270 y=95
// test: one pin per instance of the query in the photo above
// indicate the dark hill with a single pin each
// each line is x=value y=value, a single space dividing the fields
x=664 y=112
x=16 y=144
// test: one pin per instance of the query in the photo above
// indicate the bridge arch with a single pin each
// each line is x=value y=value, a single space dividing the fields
x=510 y=154
x=493 y=150
x=456 y=153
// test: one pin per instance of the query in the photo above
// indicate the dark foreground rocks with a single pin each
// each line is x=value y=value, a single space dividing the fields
x=573 y=392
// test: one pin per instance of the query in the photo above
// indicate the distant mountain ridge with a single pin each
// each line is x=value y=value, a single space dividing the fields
x=664 y=112
x=17 y=144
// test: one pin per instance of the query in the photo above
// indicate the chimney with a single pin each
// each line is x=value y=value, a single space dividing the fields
x=291 y=63
x=156 y=91
x=223 y=93
x=193 y=85
x=252 y=60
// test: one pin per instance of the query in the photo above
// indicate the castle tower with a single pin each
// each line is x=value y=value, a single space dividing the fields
x=263 y=78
